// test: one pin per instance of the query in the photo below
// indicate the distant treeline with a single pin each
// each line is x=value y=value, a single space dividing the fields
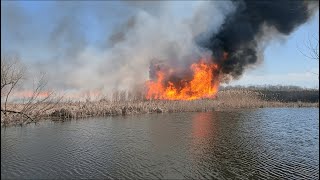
x=281 y=93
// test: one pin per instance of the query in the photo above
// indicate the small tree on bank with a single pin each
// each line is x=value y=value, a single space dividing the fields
x=13 y=73
x=312 y=50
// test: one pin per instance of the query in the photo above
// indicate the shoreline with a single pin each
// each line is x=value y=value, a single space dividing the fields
x=81 y=110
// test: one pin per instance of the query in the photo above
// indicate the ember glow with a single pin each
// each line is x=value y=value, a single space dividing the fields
x=202 y=84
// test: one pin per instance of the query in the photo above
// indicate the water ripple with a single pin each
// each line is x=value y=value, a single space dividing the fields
x=242 y=144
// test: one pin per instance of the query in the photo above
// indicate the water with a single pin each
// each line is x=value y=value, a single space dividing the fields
x=279 y=143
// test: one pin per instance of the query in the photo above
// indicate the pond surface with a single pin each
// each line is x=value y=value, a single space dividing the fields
x=281 y=143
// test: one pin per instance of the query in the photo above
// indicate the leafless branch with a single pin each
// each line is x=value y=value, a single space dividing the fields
x=312 y=47
x=33 y=107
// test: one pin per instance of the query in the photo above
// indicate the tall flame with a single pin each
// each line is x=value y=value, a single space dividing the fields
x=202 y=85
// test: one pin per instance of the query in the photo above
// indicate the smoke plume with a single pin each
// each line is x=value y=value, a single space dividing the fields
x=243 y=34
x=111 y=45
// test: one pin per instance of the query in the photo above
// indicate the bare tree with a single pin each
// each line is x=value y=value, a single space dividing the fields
x=12 y=72
x=312 y=49
x=33 y=107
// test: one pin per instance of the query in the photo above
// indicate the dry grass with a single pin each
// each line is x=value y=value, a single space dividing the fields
x=226 y=99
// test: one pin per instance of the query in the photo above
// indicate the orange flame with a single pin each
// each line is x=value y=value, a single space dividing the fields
x=202 y=85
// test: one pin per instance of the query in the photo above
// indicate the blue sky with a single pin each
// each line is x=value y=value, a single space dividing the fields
x=26 y=26
x=285 y=64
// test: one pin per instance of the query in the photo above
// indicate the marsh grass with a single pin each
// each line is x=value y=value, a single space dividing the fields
x=226 y=99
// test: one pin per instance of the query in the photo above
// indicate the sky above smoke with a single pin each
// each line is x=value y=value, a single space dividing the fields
x=109 y=45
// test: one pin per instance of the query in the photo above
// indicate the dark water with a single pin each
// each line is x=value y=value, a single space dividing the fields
x=244 y=144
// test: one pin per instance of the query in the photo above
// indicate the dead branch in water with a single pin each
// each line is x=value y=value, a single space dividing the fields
x=16 y=112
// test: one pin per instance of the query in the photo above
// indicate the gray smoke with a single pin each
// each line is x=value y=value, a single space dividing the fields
x=133 y=34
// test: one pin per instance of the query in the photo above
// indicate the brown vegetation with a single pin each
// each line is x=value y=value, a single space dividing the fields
x=226 y=99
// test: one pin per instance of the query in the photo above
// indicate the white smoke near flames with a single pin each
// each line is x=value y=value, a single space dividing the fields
x=146 y=31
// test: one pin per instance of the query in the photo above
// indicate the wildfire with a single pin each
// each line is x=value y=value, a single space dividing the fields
x=203 y=84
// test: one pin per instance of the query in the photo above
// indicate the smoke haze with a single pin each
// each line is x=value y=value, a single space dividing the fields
x=119 y=57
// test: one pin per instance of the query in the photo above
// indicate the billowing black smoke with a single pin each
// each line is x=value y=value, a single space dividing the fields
x=244 y=30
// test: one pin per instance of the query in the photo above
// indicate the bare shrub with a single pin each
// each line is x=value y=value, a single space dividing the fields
x=32 y=108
